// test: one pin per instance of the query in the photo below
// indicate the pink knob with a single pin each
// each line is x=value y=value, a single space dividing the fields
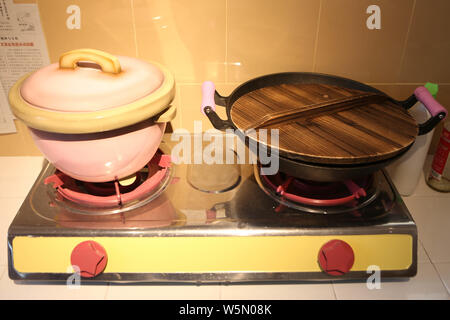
x=336 y=257
x=90 y=257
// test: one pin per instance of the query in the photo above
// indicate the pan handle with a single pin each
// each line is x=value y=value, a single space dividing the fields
x=209 y=99
x=437 y=111
x=408 y=103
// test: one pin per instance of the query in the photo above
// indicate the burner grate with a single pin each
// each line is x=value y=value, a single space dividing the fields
x=318 y=197
x=81 y=195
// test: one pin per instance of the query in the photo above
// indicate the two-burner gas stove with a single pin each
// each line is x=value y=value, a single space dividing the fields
x=168 y=230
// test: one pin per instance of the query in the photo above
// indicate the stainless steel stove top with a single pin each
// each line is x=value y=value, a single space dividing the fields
x=230 y=236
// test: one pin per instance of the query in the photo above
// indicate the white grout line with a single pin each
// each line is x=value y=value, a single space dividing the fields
x=443 y=282
x=425 y=250
x=180 y=97
x=368 y=83
x=405 y=43
x=226 y=40
x=134 y=28
x=3 y=271
x=440 y=278
x=220 y=291
x=334 y=291
x=108 y=284
x=316 y=41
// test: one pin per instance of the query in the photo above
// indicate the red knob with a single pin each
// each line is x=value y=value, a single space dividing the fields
x=90 y=257
x=336 y=257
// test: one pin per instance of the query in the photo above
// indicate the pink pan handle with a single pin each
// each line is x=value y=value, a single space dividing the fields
x=208 y=90
x=423 y=95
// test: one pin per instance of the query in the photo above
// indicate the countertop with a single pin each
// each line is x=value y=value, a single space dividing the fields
x=430 y=210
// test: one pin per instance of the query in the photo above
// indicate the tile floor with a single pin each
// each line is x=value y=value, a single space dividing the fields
x=430 y=209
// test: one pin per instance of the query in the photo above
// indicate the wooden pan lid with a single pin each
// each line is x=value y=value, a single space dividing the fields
x=327 y=124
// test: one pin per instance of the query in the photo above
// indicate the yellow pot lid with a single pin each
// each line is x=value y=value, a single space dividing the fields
x=132 y=93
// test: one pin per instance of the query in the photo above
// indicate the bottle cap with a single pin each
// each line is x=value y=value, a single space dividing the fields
x=433 y=88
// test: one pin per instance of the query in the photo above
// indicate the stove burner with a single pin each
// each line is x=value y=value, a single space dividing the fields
x=318 y=197
x=80 y=196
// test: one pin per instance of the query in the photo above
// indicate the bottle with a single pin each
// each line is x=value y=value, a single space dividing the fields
x=406 y=172
x=439 y=177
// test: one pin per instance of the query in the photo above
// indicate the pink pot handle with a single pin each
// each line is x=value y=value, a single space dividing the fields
x=208 y=90
x=423 y=95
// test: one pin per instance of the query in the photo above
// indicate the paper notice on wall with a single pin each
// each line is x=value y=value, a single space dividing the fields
x=6 y=121
x=22 y=46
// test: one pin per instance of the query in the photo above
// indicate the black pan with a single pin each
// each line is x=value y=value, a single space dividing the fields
x=298 y=168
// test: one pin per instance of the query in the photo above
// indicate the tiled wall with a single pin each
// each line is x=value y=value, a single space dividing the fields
x=231 y=41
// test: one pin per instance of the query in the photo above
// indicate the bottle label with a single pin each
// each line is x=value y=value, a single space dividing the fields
x=439 y=166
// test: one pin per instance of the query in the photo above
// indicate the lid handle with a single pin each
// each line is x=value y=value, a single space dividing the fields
x=106 y=61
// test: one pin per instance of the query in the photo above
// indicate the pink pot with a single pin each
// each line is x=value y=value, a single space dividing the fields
x=96 y=117
x=103 y=156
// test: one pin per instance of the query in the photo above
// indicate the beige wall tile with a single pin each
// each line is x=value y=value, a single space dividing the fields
x=266 y=36
x=24 y=1
x=428 y=48
x=186 y=36
x=348 y=48
x=231 y=41
x=398 y=92
x=19 y=143
x=105 y=25
x=176 y=122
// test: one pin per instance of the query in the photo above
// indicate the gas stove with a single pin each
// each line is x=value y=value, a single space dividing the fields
x=178 y=232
